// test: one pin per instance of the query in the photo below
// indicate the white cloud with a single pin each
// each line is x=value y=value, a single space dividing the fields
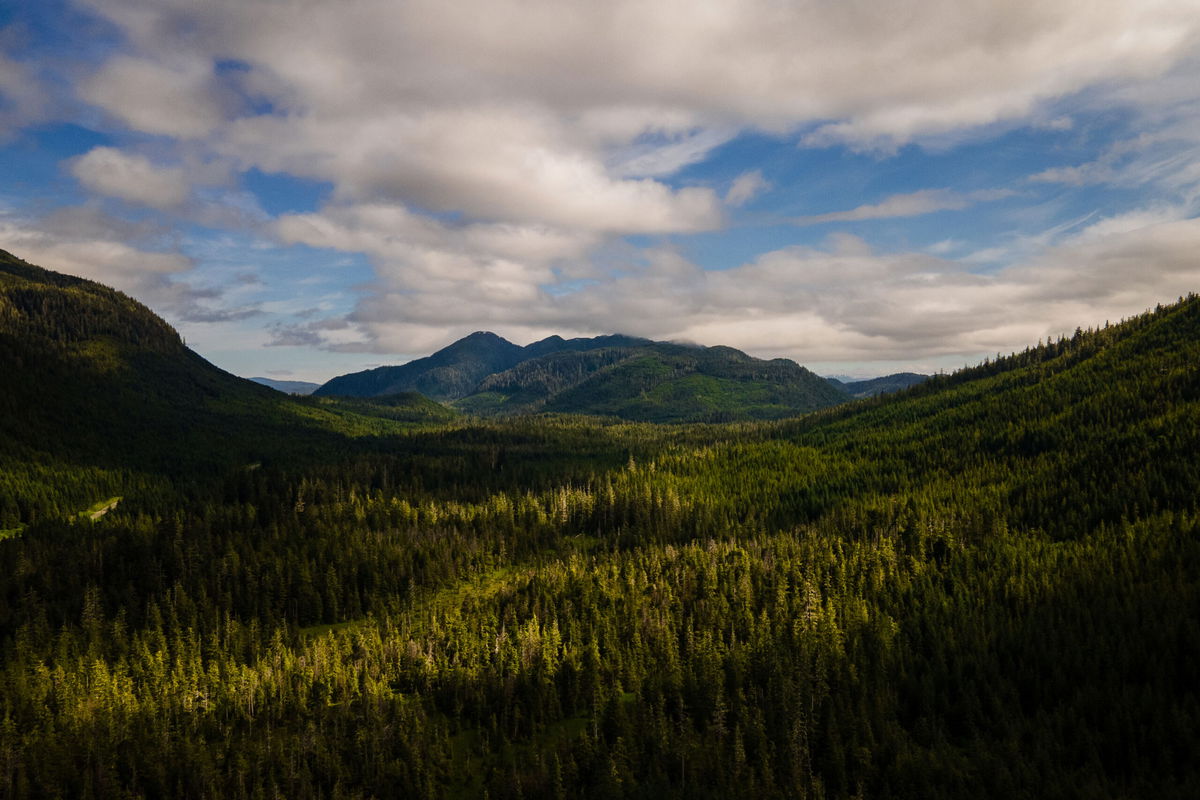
x=1079 y=175
x=22 y=99
x=666 y=155
x=914 y=204
x=491 y=163
x=393 y=233
x=746 y=187
x=174 y=99
x=130 y=177
x=542 y=112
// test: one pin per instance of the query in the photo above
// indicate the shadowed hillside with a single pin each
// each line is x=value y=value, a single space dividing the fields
x=984 y=586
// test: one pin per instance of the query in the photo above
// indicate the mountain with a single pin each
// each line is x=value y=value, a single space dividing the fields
x=96 y=385
x=1064 y=422
x=449 y=373
x=99 y=372
x=655 y=382
x=873 y=387
x=456 y=370
x=288 y=387
x=557 y=344
x=615 y=375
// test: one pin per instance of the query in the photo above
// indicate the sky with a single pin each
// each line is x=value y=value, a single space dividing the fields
x=305 y=188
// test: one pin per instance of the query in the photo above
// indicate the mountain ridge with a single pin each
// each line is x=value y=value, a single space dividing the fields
x=444 y=375
x=455 y=370
x=628 y=377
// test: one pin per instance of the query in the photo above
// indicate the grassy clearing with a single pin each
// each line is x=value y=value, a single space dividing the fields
x=98 y=509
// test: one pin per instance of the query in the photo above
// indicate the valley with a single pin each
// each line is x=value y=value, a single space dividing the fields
x=984 y=584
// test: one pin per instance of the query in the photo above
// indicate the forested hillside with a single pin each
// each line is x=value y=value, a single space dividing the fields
x=449 y=373
x=99 y=394
x=985 y=586
x=456 y=370
x=617 y=376
x=655 y=382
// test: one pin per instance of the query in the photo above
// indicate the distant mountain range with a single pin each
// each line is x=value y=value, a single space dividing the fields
x=622 y=376
x=616 y=375
x=288 y=387
x=877 y=386
x=456 y=371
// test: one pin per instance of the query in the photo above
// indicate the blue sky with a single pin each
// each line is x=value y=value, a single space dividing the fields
x=306 y=189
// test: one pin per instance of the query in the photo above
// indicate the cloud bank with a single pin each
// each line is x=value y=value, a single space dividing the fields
x=568 y=113
x=836 y=304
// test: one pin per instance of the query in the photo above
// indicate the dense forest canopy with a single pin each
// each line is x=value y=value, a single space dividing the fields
x=985 y=585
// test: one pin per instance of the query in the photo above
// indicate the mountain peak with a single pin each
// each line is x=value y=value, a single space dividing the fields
x=452 y=372
x=477 y=342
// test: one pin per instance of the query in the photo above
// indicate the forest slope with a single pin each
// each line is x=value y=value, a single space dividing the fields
x=98 y=385
x=985 y=586
x=655 y=382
